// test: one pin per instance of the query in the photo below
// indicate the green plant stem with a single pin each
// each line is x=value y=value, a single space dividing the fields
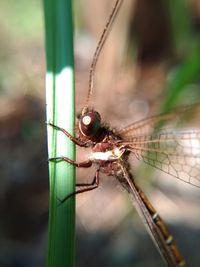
x=60 y=111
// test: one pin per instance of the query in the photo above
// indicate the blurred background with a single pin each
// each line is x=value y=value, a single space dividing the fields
x=150 y=63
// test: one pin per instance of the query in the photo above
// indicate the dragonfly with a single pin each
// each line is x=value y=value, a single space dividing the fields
x=176 y=152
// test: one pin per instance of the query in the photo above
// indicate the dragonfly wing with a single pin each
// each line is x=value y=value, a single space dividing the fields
x=148 y=125
x=176 y=153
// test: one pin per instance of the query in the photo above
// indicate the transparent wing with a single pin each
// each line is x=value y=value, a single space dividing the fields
x=176 y=153
x=179 y=116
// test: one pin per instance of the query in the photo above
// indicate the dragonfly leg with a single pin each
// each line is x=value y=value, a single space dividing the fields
x=95 y=181
x=83 y=164
x=73 y=139
x=87 y=187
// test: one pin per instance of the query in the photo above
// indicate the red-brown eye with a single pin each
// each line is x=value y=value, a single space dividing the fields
x=90 y=123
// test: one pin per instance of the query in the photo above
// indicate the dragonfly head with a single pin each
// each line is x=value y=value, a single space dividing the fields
x=90 y=126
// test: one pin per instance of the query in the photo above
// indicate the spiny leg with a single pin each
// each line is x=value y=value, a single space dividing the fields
x=87 y=187
x=73 y=139
x=95 y=180
x=83 y=164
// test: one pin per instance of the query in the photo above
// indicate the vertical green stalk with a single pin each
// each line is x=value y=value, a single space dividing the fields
x=60 y=111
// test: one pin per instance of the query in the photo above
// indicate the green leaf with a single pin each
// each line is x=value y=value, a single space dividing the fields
x=185 y=75
x=60 y=111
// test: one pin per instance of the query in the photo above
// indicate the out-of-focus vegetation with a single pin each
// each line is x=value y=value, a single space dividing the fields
x=23 y=157
x=21 y=53
x=150 y=62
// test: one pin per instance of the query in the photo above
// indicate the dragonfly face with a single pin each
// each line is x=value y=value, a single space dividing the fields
x=90 y=129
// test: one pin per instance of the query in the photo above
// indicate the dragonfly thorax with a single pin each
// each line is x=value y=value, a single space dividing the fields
x=109 y=155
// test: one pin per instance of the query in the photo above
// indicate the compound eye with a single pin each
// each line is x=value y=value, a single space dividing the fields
x=90 y=123
x=87 y=120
